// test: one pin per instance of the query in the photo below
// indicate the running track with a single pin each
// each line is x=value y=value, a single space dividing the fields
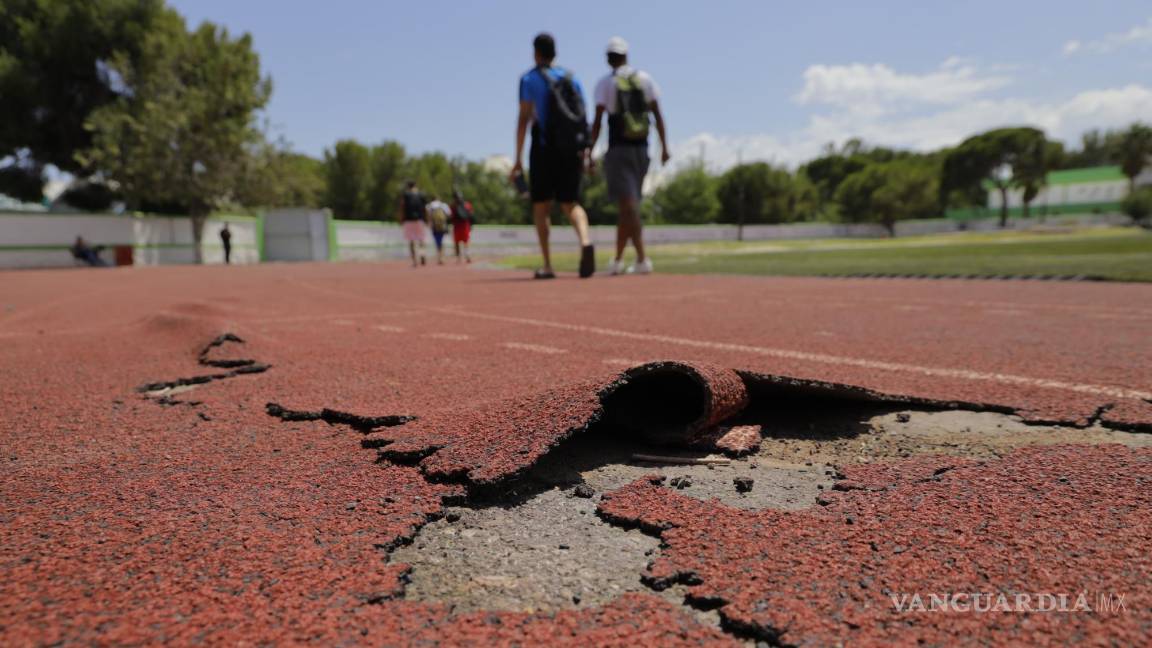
x=129 y=521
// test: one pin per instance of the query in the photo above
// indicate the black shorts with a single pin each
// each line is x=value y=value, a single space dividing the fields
x=555 y=175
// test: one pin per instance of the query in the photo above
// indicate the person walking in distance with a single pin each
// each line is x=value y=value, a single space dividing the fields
x=411 y=214
x=438 y=222
x=462 y=222
x=552 y=101
x=630 y=98
x=226 y=241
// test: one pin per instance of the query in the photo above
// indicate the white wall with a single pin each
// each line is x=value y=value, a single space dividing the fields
x=43 y=239
x=296 y=235
x=1084 y=193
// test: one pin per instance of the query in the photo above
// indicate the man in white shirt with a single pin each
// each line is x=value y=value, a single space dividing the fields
x=629 y=97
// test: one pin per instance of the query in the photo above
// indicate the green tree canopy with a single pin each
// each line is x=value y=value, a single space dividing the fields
x=889 y=192
x=60 y=62
x=387 y=179
x=756 y=193
x=982 y=158
x=689 y=196
x=182 y=135
x=348 y=171
x=1135 y=151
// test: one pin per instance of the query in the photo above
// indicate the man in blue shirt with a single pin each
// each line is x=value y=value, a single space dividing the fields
x=555 y=170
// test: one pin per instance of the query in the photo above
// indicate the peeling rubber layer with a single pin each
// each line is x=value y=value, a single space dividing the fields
x=673 y=403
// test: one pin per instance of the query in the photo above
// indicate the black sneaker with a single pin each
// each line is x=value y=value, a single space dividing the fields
x=541 y=273
x=587 y=261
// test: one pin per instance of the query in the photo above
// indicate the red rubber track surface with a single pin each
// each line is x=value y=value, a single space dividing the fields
x=1055 y=520
x=128 y=521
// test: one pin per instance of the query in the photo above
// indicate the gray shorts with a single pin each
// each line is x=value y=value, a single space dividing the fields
x=624 y=170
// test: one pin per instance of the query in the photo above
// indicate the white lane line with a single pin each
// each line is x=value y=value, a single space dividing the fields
x=535 y=348
x=622 y=362
x=1003 y=311
x=457 y=337
x=388 y=328
x=936 y=372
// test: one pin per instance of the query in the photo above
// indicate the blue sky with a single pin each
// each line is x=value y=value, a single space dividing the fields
x=763 y=80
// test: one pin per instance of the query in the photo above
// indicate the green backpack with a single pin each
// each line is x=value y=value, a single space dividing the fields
x=632 y=108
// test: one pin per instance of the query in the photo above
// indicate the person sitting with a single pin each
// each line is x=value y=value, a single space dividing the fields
x=81 y=251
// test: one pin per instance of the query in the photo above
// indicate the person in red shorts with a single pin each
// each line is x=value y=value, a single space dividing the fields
x=462 y=221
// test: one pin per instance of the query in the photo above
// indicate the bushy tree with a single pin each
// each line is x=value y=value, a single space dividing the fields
x=1138 y=205
x=348 y=172
x=1135 y=151
x=493 y=199
x=388 y=161
x=756 y=193
x=980 y=159
x=689 y=196
x=182 y=134
x=889 y=192
x=59 y=63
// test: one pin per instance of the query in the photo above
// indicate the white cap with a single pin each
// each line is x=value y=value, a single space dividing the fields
x=617 y=45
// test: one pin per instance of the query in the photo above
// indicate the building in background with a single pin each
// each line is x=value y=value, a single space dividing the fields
x=1091 y=190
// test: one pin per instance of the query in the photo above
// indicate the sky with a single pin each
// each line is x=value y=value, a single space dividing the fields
x=752 y=80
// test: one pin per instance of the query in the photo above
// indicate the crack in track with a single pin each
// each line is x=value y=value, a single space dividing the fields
x=238 y=366
x=362 y=424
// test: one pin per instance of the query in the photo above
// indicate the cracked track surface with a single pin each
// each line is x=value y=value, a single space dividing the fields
x=1058 y=519
x=128 y=522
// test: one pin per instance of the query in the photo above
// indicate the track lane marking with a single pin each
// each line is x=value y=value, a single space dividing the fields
x=899 y=367
x=455 y=337
x=535 y=348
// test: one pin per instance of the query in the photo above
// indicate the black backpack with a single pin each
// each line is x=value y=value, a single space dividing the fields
x=567 y=127
x=413 y=205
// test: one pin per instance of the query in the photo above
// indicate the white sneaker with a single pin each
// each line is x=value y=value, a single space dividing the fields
x=615 y=267
x=643 y=267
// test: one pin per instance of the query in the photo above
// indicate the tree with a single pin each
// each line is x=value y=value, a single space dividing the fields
x=1135 y=151
x=889 y=192
x=756 y=193
x=387 y=168
x=1138 y=205
x=182 y=135
x=59 y=63
x=1096 y=149
x=493 y=199
x=275 y=176
x=1003 y=158
x=689 y=196
x=434 y=173
x=348 y=174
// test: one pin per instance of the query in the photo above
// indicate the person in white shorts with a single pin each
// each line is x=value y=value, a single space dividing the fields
x=411 y=214
x=629 y=97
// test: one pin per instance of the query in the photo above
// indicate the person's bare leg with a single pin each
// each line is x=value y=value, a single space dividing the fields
x=637 y=232
x=579 y=219
x=467 y=256
x=627 y=228
x=412 y=251
x=540 y=212
x=456 y=244
x=623 y=233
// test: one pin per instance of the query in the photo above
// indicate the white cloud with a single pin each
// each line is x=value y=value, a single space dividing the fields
x=1065 y=120
x=877 y=87
x=1140 y=34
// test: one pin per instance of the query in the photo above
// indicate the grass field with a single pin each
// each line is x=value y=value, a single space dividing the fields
x=1119 y=254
